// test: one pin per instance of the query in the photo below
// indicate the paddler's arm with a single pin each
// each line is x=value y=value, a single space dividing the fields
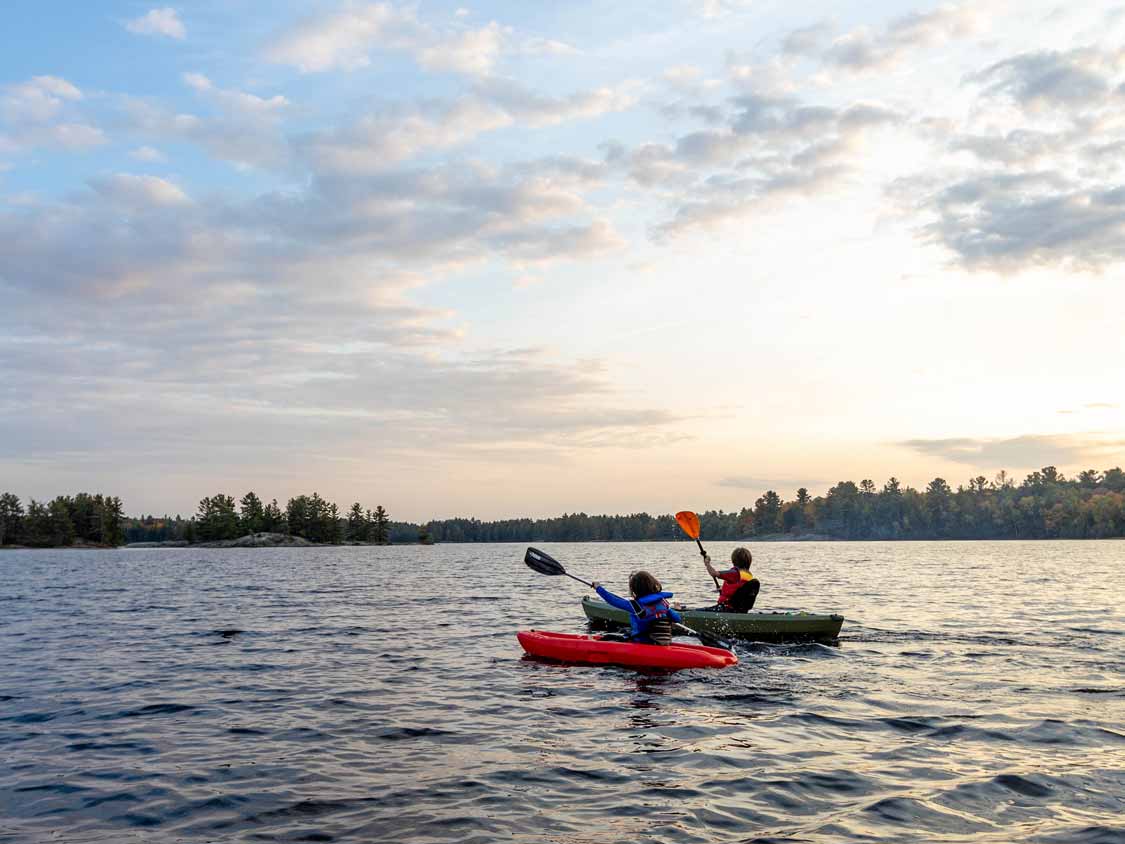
x=710 y=568
x=610 y=598
x=675 y=616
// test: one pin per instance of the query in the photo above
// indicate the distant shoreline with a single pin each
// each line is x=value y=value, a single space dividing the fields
x=234 y=543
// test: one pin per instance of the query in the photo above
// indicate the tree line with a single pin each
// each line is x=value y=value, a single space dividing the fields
x=1044 y=505
x=308 y=516
x=83 y=518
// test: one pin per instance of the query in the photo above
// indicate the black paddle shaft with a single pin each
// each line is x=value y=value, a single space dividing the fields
x=703 y=554
x=708 y=639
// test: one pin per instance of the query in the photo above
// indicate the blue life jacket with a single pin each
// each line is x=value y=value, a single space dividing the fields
x=651 y=618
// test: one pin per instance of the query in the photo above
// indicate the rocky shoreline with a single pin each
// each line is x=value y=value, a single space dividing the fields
x=253 y=540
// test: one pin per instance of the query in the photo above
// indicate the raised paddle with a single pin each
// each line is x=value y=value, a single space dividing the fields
x=544 y=563
x=689 y=523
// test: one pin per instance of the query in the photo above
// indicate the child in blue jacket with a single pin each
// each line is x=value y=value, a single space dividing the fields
x=650 y=615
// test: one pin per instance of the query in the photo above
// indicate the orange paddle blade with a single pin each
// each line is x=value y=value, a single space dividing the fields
x=689 y=522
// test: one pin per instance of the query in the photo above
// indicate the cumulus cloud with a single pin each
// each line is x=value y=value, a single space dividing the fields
x=1044 y=185
x=867 y=48
x=43 y=111
x=1075 y=77
x=258 y=326
x=1003 y=221
x=138 y=192
x=241 y=128
x=377 y=141
x=807 y=40
x=472 y=52
x=345 y=40
x=762 y=148
x=165 y=21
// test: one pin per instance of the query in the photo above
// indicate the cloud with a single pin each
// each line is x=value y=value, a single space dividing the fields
x=43 y=112
x=1013 y=221
x=547 y=47
x=241 y=128
x=472 y=52
x=533 y=109
x=138 y=192
x=761 y=149
x=280 y=329
x=867 y=49
x=379 y=141
x=1075 y=77
x=1043 y=184
x=147 y=153
x=1029 y=451
x=383 y=139
x=808 y=40
x=235 y=102
x=344 y=40
x=713 y=9
x=165 y=21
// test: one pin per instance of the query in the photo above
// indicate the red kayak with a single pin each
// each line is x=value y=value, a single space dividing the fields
x=567 y=647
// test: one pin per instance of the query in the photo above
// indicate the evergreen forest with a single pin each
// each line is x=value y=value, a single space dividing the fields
x=1044 y=505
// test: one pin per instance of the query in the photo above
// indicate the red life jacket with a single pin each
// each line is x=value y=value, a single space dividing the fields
x=732 y=585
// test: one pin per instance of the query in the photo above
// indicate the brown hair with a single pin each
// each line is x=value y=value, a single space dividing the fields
x=741 y=558
x=642 y=583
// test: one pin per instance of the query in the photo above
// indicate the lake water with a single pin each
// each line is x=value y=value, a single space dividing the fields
x=977 y=694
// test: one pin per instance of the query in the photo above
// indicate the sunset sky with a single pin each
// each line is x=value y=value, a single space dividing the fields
x=500 y=259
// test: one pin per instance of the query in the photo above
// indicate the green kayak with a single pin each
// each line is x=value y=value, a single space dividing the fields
x=759 y=626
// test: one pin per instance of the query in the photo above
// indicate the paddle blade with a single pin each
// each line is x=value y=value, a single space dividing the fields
x=689 y=522
x=542 y=562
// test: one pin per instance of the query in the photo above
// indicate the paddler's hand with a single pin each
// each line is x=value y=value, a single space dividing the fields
x=706 y=559
x=595 y=585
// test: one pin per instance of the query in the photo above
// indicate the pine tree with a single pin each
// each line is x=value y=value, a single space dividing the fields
x=217 y=518
x=379 y=532
x=11 y=518
x=357 y=524
x=273 y=520
x=251 y=514
x=61 y=531
x=332 y=525
x=112 y=515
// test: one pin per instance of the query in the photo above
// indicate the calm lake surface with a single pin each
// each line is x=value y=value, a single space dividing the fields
x=977 y=694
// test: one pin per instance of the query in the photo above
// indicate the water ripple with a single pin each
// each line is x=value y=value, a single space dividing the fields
x=345 y=695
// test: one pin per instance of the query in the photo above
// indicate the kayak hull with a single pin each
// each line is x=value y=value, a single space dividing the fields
x=567 y=647
x=758 y=626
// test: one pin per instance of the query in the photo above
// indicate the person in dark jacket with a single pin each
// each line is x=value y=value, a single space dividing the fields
x=650 y=615
x=740 y=588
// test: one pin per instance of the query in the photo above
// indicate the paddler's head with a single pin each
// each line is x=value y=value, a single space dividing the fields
x=642 y=583
x=741 y=559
